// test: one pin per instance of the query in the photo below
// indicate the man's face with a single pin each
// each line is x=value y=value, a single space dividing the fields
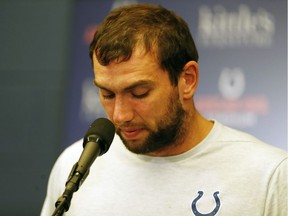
x=138 y=97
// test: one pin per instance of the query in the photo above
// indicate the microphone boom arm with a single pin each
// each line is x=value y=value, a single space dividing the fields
x=73 y=183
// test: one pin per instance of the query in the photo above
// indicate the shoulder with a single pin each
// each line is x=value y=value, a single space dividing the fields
x=65 y=162
x=70 y=154
x=247 y=145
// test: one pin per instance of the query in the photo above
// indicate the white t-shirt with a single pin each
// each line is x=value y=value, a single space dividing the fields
x=229 y=173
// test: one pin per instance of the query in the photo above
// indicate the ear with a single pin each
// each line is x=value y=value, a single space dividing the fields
x=189 y=80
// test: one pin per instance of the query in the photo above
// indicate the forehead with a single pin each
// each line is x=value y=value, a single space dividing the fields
x=141 y=66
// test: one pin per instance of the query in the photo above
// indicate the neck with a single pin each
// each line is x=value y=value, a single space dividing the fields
x=197 y=129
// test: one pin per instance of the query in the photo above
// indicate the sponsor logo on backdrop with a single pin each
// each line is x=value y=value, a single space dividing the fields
x=219 y=27
x=231 y=106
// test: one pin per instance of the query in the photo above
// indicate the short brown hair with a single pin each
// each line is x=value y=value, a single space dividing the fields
x=159 y=30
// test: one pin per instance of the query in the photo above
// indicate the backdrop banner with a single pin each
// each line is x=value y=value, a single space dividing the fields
x=242 y=46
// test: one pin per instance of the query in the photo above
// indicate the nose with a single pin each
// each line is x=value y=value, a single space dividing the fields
x=123 y=111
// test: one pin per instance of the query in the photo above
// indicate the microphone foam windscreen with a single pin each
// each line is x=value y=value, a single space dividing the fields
x=102 y=128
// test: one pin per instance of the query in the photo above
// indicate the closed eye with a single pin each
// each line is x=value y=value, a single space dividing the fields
x=106 y=94
x=138 y=90
x=140 y=96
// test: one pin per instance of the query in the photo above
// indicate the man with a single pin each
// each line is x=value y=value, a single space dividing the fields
x=175 y=162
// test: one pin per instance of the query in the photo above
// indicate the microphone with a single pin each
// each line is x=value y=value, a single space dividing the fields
x=96 y=142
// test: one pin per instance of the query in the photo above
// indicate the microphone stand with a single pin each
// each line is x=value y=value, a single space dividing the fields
x=73 y=183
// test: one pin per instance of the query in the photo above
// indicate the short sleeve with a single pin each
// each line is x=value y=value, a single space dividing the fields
x=276 y=201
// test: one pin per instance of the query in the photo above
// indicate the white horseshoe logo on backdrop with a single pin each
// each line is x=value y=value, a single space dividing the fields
x=232 y=83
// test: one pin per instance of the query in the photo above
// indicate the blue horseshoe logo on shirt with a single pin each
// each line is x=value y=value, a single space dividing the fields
x=214 y=212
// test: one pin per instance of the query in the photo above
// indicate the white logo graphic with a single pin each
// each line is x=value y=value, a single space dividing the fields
x=231 y=106
x=232 y=83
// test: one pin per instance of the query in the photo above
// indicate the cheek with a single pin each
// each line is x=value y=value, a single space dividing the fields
x=150 y=111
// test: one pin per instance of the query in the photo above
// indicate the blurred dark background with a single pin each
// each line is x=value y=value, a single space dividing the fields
x=34 y=51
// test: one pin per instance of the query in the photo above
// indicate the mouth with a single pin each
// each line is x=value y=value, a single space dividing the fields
x=130 y=133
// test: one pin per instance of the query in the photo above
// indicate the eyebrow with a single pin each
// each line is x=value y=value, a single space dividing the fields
x=139 y=83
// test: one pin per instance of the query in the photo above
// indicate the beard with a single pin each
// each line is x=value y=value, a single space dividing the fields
x=170 y=130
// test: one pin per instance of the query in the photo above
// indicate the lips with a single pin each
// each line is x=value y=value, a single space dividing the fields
x=131 y=133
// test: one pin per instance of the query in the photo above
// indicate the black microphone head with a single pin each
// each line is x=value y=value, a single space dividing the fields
x=101 y=131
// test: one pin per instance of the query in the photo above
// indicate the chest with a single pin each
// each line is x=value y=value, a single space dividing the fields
x=168 y=190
